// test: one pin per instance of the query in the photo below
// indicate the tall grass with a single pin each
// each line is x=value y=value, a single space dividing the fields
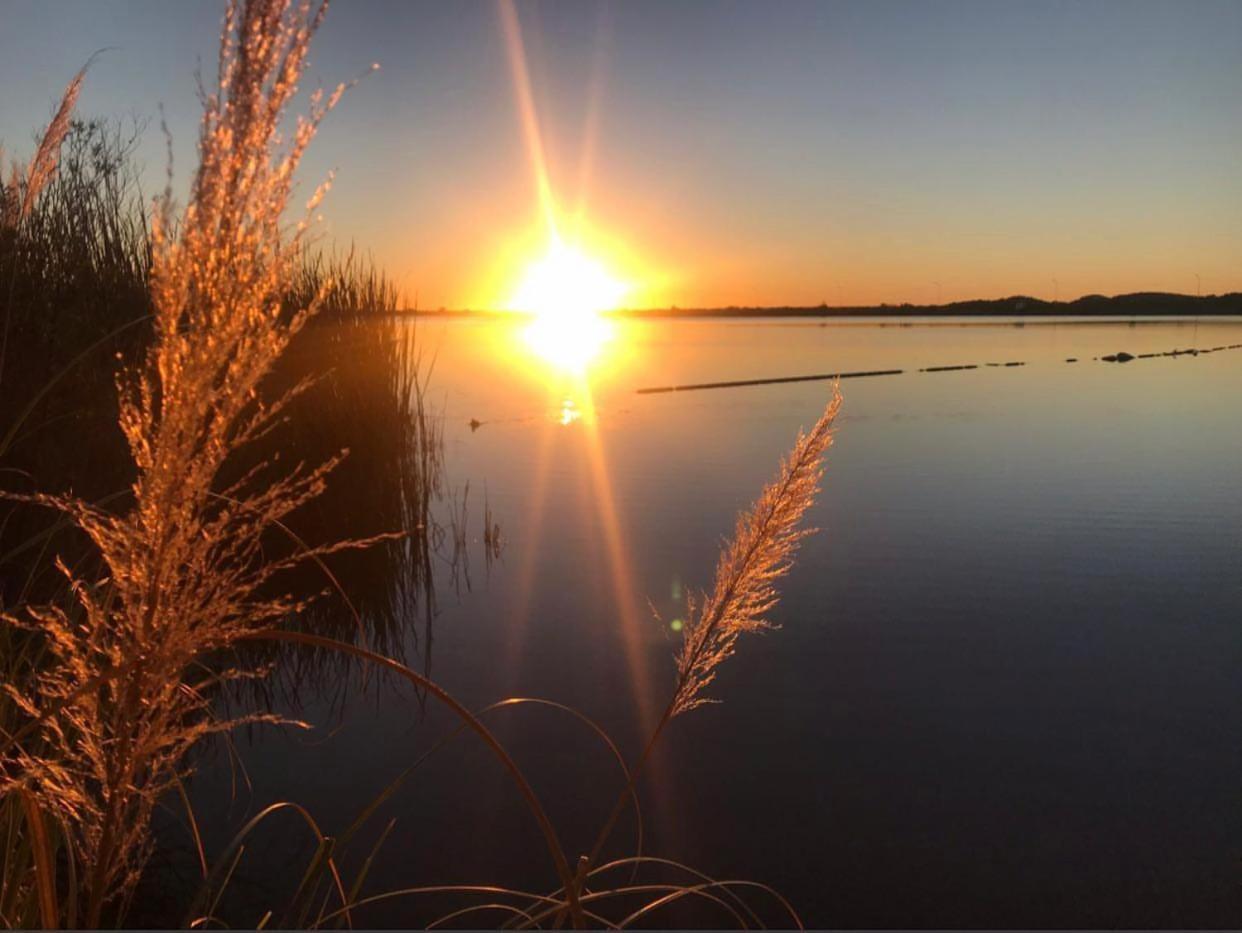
x=19 y=195
x=80 y=268
x=113 y=687
x=118 y=702
x=761 y=551
x=77 y=296
x=370 y=393
x=25 y=184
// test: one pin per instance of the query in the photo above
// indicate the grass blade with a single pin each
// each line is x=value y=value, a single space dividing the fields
x=45 y=861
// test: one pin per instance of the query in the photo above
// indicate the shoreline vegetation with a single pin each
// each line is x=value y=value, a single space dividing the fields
x=1129 y=306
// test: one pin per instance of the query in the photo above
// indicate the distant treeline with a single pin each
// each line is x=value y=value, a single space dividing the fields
x=1139 y=304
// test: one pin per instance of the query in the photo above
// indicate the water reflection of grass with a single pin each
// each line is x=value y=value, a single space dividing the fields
x=191 y=570
x=369 y=395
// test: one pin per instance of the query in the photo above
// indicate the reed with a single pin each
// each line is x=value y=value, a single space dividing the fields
x=761 y=551
x=26 y=183
x=118 y=701
x=370 y=394
x=77 y=295
x=80 y=297
x=19 y=194
x=764 y=543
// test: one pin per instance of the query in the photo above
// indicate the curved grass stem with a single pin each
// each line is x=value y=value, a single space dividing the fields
x=551 y=839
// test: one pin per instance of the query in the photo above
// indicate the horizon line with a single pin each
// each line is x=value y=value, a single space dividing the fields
x=824 y=309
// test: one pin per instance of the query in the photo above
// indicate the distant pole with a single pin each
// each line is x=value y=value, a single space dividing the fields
x=1056 y=290
x=937 y=284
x=1198 y=286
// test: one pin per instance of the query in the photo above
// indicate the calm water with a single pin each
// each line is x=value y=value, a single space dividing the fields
x=1005 y=690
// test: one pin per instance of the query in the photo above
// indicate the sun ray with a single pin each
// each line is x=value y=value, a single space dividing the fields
x=526 y=110
x=567 y=291
x=532 y=547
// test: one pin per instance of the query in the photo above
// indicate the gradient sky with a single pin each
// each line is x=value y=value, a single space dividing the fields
x=732 y=153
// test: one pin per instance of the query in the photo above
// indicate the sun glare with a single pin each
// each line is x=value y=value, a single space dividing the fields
x=567 y=292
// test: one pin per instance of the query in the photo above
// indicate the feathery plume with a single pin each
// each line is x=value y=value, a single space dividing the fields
x=762 y=551
x=122 y=698
x=21 y=193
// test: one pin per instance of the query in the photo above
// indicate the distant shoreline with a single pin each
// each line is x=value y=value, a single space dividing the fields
x=1137 y=305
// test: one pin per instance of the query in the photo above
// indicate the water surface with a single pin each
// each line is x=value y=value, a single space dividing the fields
x=1004 y=691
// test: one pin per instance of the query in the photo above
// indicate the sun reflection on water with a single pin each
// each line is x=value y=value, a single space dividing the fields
x=568 y=291
x=570 y=412
x=569 y=342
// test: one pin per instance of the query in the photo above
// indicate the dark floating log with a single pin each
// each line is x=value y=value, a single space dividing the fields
x=1119 y=357
x=818 y=377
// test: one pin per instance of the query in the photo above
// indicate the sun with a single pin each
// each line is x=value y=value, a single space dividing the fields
x=567 y=291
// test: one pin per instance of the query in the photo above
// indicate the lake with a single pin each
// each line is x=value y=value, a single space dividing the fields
x=1004 y=691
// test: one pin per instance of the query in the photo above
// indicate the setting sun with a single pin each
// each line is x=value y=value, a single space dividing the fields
x=567 y=291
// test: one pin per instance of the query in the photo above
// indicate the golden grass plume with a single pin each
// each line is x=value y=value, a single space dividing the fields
x=24 y=186
x=19 y=194
x=123 y=693
x=764 y=543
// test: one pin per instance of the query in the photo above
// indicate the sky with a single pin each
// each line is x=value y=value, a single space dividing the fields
x=727 y=153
